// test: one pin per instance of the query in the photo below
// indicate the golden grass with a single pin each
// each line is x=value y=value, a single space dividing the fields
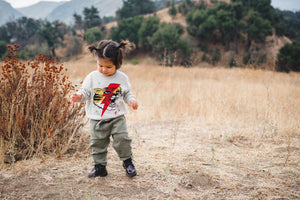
x=199 y=133
x=252 y=100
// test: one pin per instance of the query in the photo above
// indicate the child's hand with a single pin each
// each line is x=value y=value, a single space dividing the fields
x=133 y=104
x=76 y=98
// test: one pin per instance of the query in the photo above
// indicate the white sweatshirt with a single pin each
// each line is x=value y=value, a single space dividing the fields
x=104 y=95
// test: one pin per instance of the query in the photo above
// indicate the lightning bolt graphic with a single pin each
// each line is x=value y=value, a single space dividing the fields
x=107 y=96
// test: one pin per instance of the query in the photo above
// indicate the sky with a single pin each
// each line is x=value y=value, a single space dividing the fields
x=293 y=5
x=24 y=3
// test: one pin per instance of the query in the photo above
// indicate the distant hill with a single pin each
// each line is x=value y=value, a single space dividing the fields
x=65 y=11
x=7 y=12
x=40 y=10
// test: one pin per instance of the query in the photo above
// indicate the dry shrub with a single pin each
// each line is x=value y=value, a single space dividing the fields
x=35 y=114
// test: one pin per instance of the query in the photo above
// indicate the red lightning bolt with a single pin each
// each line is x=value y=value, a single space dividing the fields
x=107 y=95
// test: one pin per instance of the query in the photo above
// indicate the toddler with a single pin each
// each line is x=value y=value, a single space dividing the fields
x=104 y=92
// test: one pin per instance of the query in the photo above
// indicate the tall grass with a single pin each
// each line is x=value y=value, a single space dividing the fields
x=35 y=114
x=251 y=101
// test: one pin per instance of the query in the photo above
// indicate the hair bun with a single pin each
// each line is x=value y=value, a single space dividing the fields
x=126 y=46
x=92 y=48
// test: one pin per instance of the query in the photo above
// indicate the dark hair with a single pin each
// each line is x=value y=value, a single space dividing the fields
x=115 y=52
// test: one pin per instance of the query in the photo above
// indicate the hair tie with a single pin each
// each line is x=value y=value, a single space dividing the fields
x=121 y=45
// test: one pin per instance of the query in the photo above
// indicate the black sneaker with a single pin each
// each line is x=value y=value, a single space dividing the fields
x=99 y=170
x=130 y=169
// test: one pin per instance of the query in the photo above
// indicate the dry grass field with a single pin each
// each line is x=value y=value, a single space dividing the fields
x=199 y=133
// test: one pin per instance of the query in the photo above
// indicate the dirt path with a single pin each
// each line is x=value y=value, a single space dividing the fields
x=174 y=161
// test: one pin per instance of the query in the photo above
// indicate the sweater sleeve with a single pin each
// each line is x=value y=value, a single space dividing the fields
x=86 y=89
x=128 y=95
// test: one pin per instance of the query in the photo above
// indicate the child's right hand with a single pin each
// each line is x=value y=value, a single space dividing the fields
x=76 y=98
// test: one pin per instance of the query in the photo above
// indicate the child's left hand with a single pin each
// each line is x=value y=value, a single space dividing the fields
x=133 y=104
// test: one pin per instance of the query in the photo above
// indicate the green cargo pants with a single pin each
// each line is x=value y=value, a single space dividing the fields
x=100 y=139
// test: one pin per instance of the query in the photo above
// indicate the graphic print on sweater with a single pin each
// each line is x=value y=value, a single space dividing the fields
x=105 y=98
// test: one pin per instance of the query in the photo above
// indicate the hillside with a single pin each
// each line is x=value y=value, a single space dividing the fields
x=270 y=48
x=204 y=47
x=65 y=11
x=40 y=10
x=7 y=12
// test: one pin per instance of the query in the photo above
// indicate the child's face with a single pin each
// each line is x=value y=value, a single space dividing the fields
x=106 y=67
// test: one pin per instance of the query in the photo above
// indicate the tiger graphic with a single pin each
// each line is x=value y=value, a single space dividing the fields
x=106 y=98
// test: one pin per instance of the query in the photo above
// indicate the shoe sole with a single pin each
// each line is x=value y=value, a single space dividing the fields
x=101 y=175
x=130 y=175
x=97 y=176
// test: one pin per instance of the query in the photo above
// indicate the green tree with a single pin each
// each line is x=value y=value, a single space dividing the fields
x=53 y=33
x=230 y=23
x=195 y=19
x=202 y=23
x=206 y=29
x=226 y=24
x=32 y=50
x=237 y=10
x=4 y=34
x=257 y=27
x=185 y=6
x=166 y=37
x=2 y=48
x=216 y=56
x=168 y=45
x=172 y=11
x=148 y=27
x=74 y=46
x=288 y=24
x=92 y=35
x=288 y=58
x=21 y=31
x=26 y=28
x=263 y=7
x=133 y=8
x=79 y=24
x=184 y=51
x=127 y=29
x=91 y=17
x=108 y=19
